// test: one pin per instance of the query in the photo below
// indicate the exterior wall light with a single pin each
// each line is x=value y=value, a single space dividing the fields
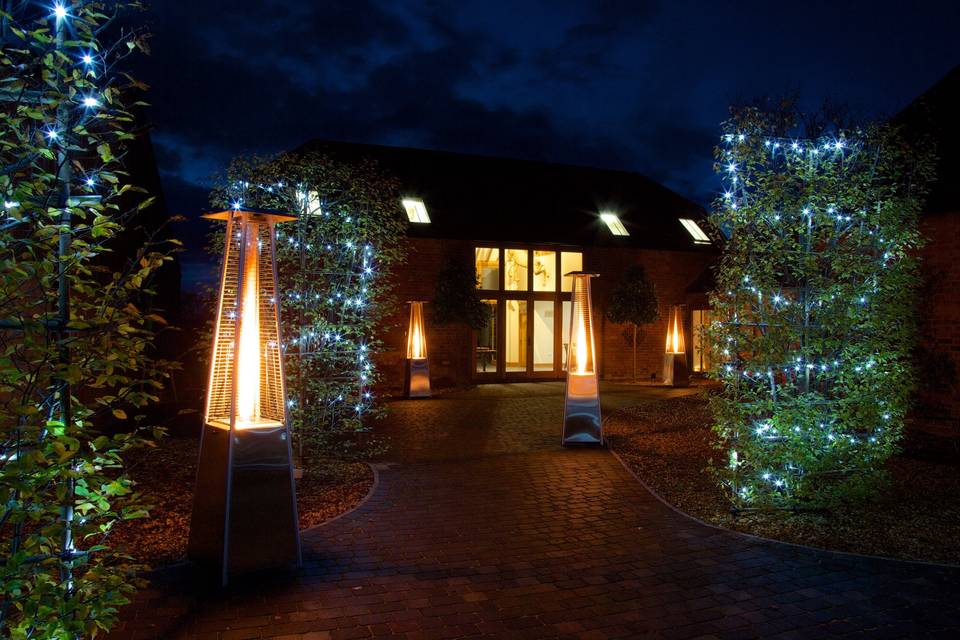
x=675 y=370
x=581 y=409
x=418 y=370
x=245 y=508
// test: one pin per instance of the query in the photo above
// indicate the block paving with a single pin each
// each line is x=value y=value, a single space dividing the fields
x=481 y=525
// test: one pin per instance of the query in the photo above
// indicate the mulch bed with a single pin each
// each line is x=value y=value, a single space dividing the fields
x=916 y=517
x=165 y=475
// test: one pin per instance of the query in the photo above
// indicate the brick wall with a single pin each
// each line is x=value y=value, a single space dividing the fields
x=938 y=399
x=671 y=272
x=450 y=347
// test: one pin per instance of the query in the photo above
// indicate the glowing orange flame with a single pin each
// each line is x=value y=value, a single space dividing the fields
x=675 y=332
x=416 y=336
x=581 y=361
x=248 y=358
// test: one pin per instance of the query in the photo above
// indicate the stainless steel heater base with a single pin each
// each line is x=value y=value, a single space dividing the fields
x=676 y=373
x=244 y=506
x=581 y=412
x=418 y=378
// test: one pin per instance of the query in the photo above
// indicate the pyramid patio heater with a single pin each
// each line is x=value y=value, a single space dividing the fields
x=418 y=369
x=244 y=508
x=675 y=370
x=581 y=410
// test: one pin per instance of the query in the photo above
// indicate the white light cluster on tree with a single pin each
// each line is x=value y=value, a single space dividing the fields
x=327 y=269
x=813 y=313
x=79 y=366
x=58 y=132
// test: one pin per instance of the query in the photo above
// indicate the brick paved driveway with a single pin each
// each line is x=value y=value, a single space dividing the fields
x=483 y=526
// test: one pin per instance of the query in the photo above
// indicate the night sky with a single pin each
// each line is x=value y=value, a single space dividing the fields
x=639 y=86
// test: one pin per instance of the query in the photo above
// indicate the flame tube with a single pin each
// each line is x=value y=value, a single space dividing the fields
x=416 y=337
x=248 y=357
x=581 y=333
x=675 y=343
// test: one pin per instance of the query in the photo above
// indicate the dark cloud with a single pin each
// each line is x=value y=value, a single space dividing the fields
x=233 y=91
x=630 y=84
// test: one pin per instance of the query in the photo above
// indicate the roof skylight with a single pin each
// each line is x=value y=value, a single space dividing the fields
x=416 y=210
x=699 y=237
x=613 y=223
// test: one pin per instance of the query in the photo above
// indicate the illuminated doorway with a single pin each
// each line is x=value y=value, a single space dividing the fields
x=528 y=305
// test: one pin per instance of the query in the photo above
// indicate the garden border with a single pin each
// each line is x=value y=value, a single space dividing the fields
x=761 y=539
x=373 y=488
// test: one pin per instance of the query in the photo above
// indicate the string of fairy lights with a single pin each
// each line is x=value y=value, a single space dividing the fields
x=64 y=119
x=778 y=444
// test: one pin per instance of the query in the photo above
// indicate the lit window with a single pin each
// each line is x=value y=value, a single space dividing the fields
x=699 y=237
x=515 y=263
x=701 y=348
x=569 y=261
x=313 y=204
x=544 y=271
x=487 y=339
x=613 y=223
x=416 y=210
x=488 y=267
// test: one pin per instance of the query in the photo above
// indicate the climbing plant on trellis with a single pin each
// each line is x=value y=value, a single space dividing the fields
x=334 y=267
x=815 y=307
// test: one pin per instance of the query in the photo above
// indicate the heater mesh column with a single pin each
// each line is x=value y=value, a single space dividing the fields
x=220 y=393
x=272 y=391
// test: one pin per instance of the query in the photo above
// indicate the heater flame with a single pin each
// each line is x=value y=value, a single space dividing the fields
x=675 y=333
x=416 y=338
x=581 y=350
x=581 y=332
x=248 y=358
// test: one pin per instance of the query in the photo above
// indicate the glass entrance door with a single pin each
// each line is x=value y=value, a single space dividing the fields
x=516 y=351
x=487 y=345
x=527 y=300
x=544 y=334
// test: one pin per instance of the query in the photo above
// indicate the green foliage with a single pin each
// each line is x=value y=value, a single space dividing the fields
x=77 y=366
x=456 y=298
x=633 y=299
x=816 y=306
x=335 y=265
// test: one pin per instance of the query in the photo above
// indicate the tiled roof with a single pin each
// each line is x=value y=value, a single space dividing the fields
x=493 y=199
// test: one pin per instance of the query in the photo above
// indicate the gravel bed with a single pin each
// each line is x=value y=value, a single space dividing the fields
x=668 y=443
x=165 y=475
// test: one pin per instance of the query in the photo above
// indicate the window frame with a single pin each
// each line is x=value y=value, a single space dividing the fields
x=502 y=295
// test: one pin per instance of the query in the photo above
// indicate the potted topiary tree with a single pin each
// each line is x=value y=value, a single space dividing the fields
x=456 y=298
x=633 y=301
